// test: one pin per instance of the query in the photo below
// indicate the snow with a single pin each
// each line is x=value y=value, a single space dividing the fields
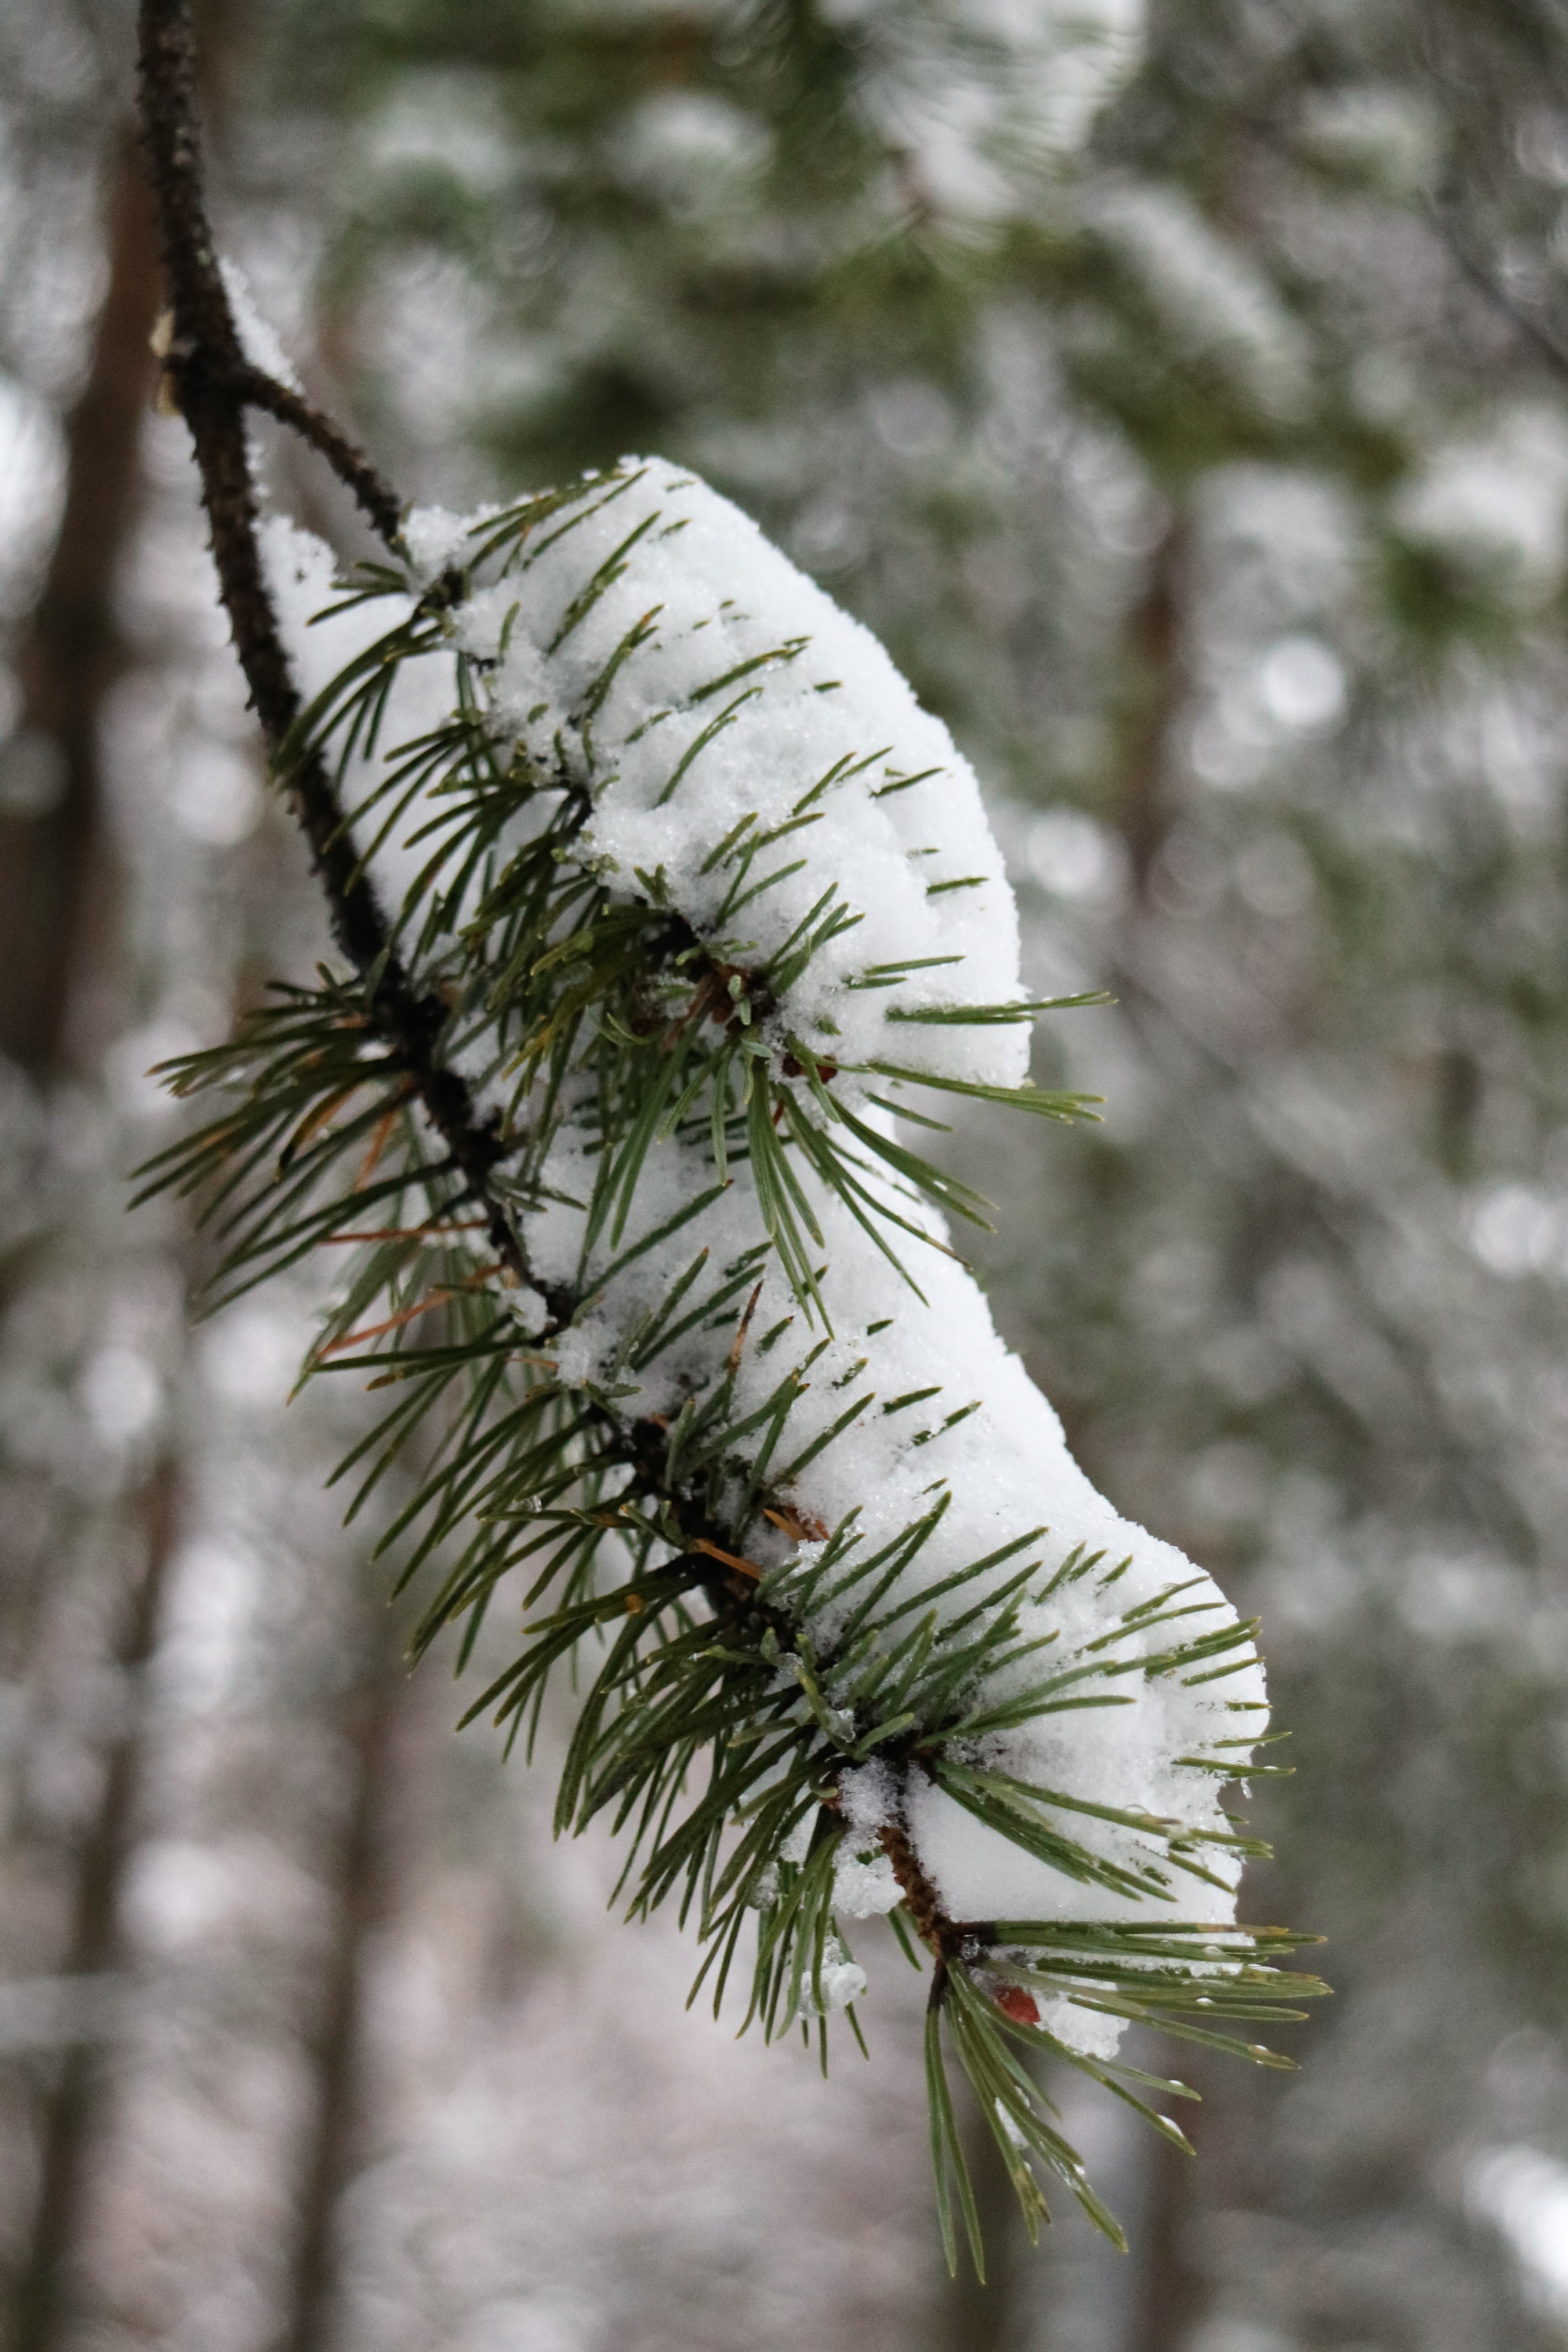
x=1386 y=137
x=1005 y=1469
x=300 y=572
x=1208 y=297
x=258 y=339
x=864 y=1887
x=965 y=96
x=736 y=706
x=1523 y=2192
x=868 y=1797
x=674 y=758
x=839 y=1982
x=1495 y=507
x=32 y=477
x=659 y=660
x=436 y=538
x=691 y=151
x=1089 y=2031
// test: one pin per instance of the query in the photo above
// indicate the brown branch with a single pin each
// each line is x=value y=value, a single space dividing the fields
x=252 y=387
x=213 y=384
x=376 y=497
x=942 y=1937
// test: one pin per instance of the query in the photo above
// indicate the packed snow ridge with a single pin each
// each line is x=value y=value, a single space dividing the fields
x=658 y=660
x=709 y=691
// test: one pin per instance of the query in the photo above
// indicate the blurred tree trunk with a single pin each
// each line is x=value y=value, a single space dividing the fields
x=72 y=651
x=375 y=1715
x=43 y=2317
x=52 y=877
x=1156 y=658
x=1172 y=2288
x=56 y=892
x=1168 y=2293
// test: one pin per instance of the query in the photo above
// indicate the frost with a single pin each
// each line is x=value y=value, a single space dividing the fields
x=258 y=340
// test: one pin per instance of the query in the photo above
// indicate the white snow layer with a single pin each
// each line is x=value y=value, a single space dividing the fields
x=734 y=687
x=258 y=338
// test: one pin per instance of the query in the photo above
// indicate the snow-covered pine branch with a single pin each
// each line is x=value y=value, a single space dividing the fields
x=705 y=894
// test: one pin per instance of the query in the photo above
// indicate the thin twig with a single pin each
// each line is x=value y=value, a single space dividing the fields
x=1443 y=220
x=213 y=383
x=376 y=497
x=252 y=387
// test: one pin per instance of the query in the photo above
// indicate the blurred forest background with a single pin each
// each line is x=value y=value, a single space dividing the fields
x=1182 y=393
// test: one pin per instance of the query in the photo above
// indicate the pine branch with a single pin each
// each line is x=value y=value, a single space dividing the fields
x=213 y=384
x=547 y=1030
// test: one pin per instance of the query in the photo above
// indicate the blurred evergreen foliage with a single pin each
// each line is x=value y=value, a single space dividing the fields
x=1211 y=478
x=1212 y=483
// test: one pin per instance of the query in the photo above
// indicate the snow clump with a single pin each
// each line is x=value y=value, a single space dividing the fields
x=641 y=649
